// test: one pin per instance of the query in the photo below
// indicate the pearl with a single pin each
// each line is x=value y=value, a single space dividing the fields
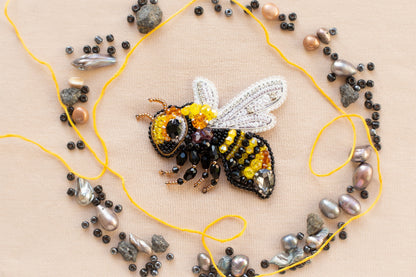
x=349 y=204
x=329 y=208
x=362 y=176
x=239 y=265
x=85 y=192
x=107 y=218
x=361 y=153
x=311 y=42
x=80 y=115
x=204 y=262
x=324 y=35
x=270 y=11
x=289 y=242
x=343 y=68
x=76 y=82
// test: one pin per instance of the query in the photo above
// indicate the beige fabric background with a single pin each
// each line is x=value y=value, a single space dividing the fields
x=40 y=226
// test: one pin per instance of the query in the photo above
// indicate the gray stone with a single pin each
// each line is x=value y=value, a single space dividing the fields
x=159 y=244
x=148 y=17
x=69 y=96
x=314 y=224
x=127 y=250
x=348 y=95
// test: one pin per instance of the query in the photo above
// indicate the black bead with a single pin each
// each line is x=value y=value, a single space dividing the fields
x=203 y=275
x=87 y=49
x=194 y=157
x=343 y=235
x=248 y=136
x=229 y=251
x=247 y=162
x=330 y=235
x=213 y=153
x=326 y=247
x=331 y=77
x=370 y=66
x=237 y=156
x=180 y=181
x=108 y=203
x=215 y=171
x=360 y=67
x=248 y=7
x=245 y=143
x=368 y=121
x=255 y=4
x=181 y=158
x=125 y=45
x=70 y=110
x=375 y=116
x=98 y=233
x=170 y=256
x=106 y=239
x=340 y=224
x=212 y=274
x=85 y=224
x=199 y=10
x=80 y=144
x=98 y=189
x=94 y=219
x=357 y=88
x=95 y=202
x=290 y=26
x=132 y=267
x=283 y=26
x=175 y=169
x=370 y=83
x=70 y=145
x=150 y=266
x=364 y=194
x=205 y=175
x=377 y=146
x=83 y=98
x=256 y=150
x=218 y=8
x=361 y=83
x=327 y=50
x=313 y=251
x=228 y=12
x=63 y=117
x=95 y=49
x=376 y=139
x=333 y=31
x=118 y=208
x=130 y=18
x=243 y=179
x=98 y=39
x=122 y=235
x=111 y=50
x=368 y=95
x=158 y=265
x=70 y=176
x=375 y=124
x=85 y=89
x=376 y=107
x=368 y=104
x=142 y=2
x=282 y=17
x=190 y=173
x=292 y=16
x=264 y=263
x=334 y=56
x=350 y=189
x=143 y=272
x=69 y=50
x=300 y=236
x=251 y=272
x=70 y=192
x=351 y=81
x=135 y=9
x=215 y=1
x=153 y=258
x=306 y=249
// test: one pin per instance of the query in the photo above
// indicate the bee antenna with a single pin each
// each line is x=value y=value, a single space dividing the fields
x=145 y=115
x=158 y=100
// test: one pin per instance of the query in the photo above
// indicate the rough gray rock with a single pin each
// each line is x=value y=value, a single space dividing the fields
x=348 y=95
x=127 y=250
x=159 y=244
x=148 y=17
x=315 y=224
x=69 y=96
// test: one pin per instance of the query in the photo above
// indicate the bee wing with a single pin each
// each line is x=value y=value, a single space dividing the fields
x=205 y=92
x=250 y=110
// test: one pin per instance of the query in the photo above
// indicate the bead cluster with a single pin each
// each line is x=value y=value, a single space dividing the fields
x=199 y=114
x=95 y=49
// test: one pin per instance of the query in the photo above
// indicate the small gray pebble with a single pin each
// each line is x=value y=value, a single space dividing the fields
x=148 y=17
x=159 y=244
x=314 y=224
x=69 y=96
x=348 y=95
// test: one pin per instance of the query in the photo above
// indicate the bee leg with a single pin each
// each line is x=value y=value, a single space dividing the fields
x=171 y=172
x=200 y=180
x=215 y=171
x=189 y=175
x=210 y=186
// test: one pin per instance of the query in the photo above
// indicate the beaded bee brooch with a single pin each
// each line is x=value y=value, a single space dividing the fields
x=198 y=131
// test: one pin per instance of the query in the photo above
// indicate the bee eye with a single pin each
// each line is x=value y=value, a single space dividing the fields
x=174 y=128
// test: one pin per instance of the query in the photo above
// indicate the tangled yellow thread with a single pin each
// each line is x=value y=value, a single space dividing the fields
x=203 y=234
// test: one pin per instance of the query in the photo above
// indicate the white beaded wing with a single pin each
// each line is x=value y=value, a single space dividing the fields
x=250 y=110
x=205 y=92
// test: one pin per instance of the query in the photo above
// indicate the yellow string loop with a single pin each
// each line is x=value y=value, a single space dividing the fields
x=204 y=233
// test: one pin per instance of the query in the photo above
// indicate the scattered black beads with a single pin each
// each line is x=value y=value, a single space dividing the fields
x=326 y=247
x=170 y=256
x=85 y=89
x=360 y=67
x=85 y=224
x=283 y=26
x=368 y=104
x=264 y=263
x=135 y=8
x=368 y=95
x=350 y=80
x=290 y=27
x=361 y=83
x=130 y=18
x=98 y=233
x=368 y=121
x=111 y=50
x=330 y=235
x=101 y=196
x=327 y=50
x=142 y=2
x=98 y=189
x=154 y=272
x=300 y=236
x=229 y=251
x=199 y=10
x=343 y=235
x=357 y=88
x=340 y=224
x=350 y=189
x=158 y=265
x=122 y=235
x=94 y=219
x=375 y=116
x=255 y=4
x=95 y=49
x=376 y=107
x=333 y=31
x=153 y=258
x=70 y=192
x=70 y=145
x=70 y=110
x=143 y=272
x=110 y=38
x=364 y=194
x=248 y=7
x=331 y=77
x=95 y=202
x=218 y=8
x=370 y=66
x=98 y=39
x=87 y=49
x=70 y=176
x=108 y=203
x=250 y=272
x=282 y=17
x=125 y=45
x=375 y=124
x=306 y=249
x=370 y=83
x=63 y=117
x=118 y=208
x=334 y=56
x=292 y=16
x=106 y=239
x=377 y=146
x=215 y=1
x=69 y=50
x=113 y=250
x=376 y=139
x=83 y=98
x=132 y=267
x=180 y=181
x=228 y=12
x=80 y=145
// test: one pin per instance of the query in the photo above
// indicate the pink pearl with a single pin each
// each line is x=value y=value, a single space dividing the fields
x=80 y=115
x=270 y=11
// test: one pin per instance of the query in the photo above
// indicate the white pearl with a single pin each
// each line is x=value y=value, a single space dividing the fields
x=76 y=82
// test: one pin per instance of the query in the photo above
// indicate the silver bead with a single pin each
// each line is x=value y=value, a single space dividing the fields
x=287 y=258
x=349 y=204
x=361 y=153
x=92 y=61
x=317 y=240
x=224 y=265
x=85 y=192
x=362 y=176
x=204 y=261
x=141 y=245
x=343 y=68
x=239 y=265
x=329 y=208
x=107 y=218
x=289 y=242
x=324 y=35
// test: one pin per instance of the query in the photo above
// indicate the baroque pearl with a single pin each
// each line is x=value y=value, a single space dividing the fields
x=204 y=261
x=343 y=68
x=317 y=240
x=361 y=153
x=311 y=42
x=224 y=265
x=76 y=82
x=239 y=265
x=329 y=208
x=362 y=176
x=141 y=245
x=85 y=192
x=107 y=218
x=289 y=242
x=324 y=35
x=270 y=11
x=349 y=204
x=80 y=115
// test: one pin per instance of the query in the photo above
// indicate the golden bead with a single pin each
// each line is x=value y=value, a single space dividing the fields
x=270 y=11
x=80 y=115
x=223 y=148
x=232 y=133
x=229 y=140
x=185 y=110
x=311 y=42
x=249 y=173
x=249 y=150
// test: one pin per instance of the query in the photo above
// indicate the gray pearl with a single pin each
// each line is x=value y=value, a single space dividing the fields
x=343 y=68
x=239 y=265
x=287 y=258
x=349 y=204
x=204 y=261
x=324 y=35
x=361 y=153
x=316 y=241
x=329 y=208
x=362 y=176
x=224 y=265
x=141 y=245
x=289 y=242
x=85 y=192
x=107 y=218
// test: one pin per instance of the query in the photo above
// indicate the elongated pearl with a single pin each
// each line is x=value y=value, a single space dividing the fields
x=204 y=261
x=362 y=176
x=343 y=68
x=141 y=245
x=107 y=218
x=349 y=204
x=311 y=42
x=76 y=82
x=270 y=11
x=85 y=192
x=329 y=208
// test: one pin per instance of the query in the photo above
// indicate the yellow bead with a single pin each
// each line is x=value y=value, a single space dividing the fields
x=256 y=164
x=244 y=156
x=223 y=148
x=241 y=161
x=253 y=142
x=229 y=140
x=185 y=110
x=205 y=109
x=232 y=133
x=194 y=109
x=213 y=114
x=269 y=168
x=249 y=172
x=249 y=150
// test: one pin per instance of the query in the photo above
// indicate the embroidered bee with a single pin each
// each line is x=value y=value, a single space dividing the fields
x=199 y=133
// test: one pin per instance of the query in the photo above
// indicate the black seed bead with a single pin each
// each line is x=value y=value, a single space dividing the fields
x=69 y=50
x=376 y=139
x=218 y=8
x=375 y=124
x=229 y=251
x=143 y=272
x=150 y=266
x=368 y=121
x=85 y=224
x=98 y=233
x=331 y=77
x=377 y=146
x=110 y=38
x=360 y=67
x=203 y=275
x=264 y=263
x=125 y=45
x=248 y=7
x=283 y=26
x=376 y=107
x=255 y=4
x=350 y=189
x=327 y=50
x=361 y=83
x=85 y=89
x=256 y=150
x=340 y=224
x=135 y=9
x=122 y=235
x=106 y=239
x=329 y=235
x=170 y=256
x=180 y=181
x=94 y=219
x=70 y=110
x=211 y=274
x=98 y=189
x=351 y=81
x=313 y=251
x=70 y=176
x=283 y=272
x=334 y=56
x=70 y=145
x=83 y=98
x=292 y=16
x=153 y=258
x=370 y=83
x=247 y=162
x=300 y=236
x=87 y=49
x=228 y=12
x=98 y=39
x=326 y=248
x=368 y=104
x=70 y=192
x=282 y=17
x=111 y=50
x=342 y=235
x=215 y=1
x=80 y=144
x=333 y=31
x=130 y=18
x=95 y=49
x=142 y=2
x=101 y=196
x=370 y=66
x=96 y=201
x=290 y=26
x=158 y=265
x=357 y=88
x=368 y=95
x=306 y=249
x=63 y=117
x=251 y=272
x=118 y=208
x=375 y=116
x=132 y=267
x=364 y=194
x=214 y=182
x=199 y=10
